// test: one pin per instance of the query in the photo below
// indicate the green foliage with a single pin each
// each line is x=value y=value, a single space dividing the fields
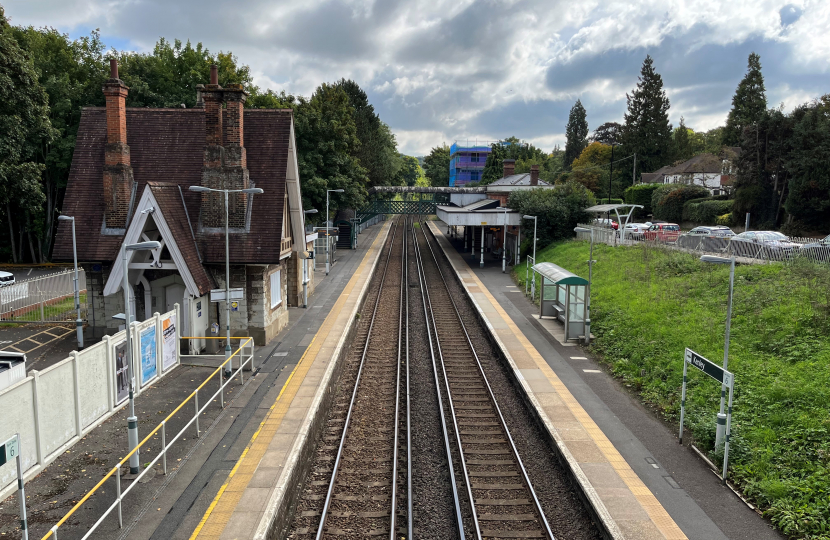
x=647 y=131
x=559 y=209
x=410 y=172
x=576 y=133
x=748 y=103
x=808 y=201
x=725 y=220
x=641 y=194
x=437 y=166
x=607 y=133
x=667 y=201
x=649 y=304
x=706 y=212
x=682 y=141
x=516 y=149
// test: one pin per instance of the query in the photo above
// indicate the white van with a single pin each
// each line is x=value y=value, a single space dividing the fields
x=6 y=279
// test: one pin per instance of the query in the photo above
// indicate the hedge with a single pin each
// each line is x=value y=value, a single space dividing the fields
x=667 y=201
x=641 y=194
x=705 y=212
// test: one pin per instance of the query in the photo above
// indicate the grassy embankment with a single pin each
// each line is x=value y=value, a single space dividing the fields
x=649 y=304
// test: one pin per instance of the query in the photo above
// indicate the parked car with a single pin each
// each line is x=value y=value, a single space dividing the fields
x=635 y=231
x=762 y=244
x=6 y=279
x=818 y=251
x=663 y=232
x=606 y=223
x=706 y=238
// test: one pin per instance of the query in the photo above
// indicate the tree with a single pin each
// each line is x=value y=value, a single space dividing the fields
x=510 y=148
x=576 y=133
x=748 y=103
x=589 y=167
x=647 y=131
x=808 y=200
x=607 y=133
x=409 y=172
x=24 y=130
x=559 y=211
x=437 y=166
x=682 y=141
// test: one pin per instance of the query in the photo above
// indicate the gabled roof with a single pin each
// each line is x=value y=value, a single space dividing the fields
x=167 y=145
x=522 y=179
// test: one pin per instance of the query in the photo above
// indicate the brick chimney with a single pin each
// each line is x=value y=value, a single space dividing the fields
x=534 y=175
x=225 y=162
x=509 y=167
x=118 y=173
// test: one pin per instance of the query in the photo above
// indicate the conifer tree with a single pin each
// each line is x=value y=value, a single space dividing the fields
x=748 y=103
x=576 y=133
x=647 y=131
x=682 y=143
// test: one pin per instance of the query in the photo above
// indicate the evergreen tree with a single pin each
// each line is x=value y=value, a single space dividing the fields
x=647 y=131
x=576 y=133
x=682 y=142
x=808 y=200
x=607 y=133
x=748 y=103
x=437 y=166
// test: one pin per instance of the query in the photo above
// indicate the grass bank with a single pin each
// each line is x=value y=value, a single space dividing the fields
x=648 y=304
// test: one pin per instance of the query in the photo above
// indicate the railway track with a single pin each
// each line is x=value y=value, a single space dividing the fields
x=499 y=494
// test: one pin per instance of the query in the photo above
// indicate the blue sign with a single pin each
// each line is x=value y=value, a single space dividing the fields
x=149 y=366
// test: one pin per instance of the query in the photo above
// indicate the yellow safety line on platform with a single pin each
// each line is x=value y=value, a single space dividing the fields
x=221 y=509
x=658 y=515
x=14 y=346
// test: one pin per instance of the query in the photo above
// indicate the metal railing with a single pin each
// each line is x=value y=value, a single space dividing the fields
x=161 y=428
x=49 y=298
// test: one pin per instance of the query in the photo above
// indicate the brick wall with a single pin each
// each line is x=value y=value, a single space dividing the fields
x=118 y=173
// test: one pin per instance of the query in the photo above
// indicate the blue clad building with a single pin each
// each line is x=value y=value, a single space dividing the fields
x=467 y=163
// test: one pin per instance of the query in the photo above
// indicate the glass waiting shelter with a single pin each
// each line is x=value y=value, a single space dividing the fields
x=564 y=297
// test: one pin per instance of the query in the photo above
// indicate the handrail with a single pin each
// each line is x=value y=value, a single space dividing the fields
x=163 y=454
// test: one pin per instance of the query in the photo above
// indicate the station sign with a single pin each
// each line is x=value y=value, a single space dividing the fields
x=708 y=367
x=218 y=295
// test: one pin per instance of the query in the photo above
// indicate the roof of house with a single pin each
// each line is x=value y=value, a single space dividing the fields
x=522 y=179
x=167 y=145
x=701 y=163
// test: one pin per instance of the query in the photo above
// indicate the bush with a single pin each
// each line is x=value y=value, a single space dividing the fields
x=725 y=220
x=641 y=194
x=667 y=201
x=706 y=211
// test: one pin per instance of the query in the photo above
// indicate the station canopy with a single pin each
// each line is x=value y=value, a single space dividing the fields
x=558 y=275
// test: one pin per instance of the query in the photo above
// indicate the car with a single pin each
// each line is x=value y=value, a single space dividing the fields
x=706 y=238
x=818 y=251
x=762 y=244
x=6 y=279
x=662 y=232
x=606 y=223
x=635 y=231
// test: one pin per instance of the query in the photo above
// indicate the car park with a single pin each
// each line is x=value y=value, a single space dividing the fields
x=817 y=251
x=770 y=245
x=606 y=223
x=706 y=238
x=662 y=232
x=6 y=279
x=635 y=231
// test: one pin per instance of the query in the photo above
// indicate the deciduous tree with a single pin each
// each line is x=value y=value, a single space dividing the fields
x=437 y=166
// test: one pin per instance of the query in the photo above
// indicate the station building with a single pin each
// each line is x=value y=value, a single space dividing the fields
x=129 y=181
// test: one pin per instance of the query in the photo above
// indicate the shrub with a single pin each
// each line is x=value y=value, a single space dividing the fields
x=705 y=211
x=725 y=220
x=667 y=201
x=641 y=194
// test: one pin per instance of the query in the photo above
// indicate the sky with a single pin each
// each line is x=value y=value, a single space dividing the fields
x=439 y=71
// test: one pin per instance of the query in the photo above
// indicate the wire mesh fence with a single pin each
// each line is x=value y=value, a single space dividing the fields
x=49 y=298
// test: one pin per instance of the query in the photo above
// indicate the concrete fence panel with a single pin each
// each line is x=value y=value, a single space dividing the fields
x=56 y=406
x=94 y=383
x=17 y=404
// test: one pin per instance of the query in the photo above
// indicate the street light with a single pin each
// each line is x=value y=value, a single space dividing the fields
x=305 y=266
x=591 y=262
x=532 y=285
x=79 y=323
x=132 y=421
x=504 y=244
x=721 y=429
x=251 y=191
x=328 y=237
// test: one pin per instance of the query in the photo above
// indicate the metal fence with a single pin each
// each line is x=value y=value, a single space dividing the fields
x=759 y=250
x=48 y=298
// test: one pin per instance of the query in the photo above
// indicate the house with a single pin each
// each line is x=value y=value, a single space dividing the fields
x=129 y=181
x=510 y=182
x=706 y=170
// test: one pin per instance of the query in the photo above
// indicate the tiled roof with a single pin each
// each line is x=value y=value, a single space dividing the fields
x=516 y=180
x=166 y=145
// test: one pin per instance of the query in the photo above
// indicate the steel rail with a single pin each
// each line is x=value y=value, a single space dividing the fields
x=330 y=491
x=401 y=309
x=442 y=414
x=513 y=448
x=409 y=511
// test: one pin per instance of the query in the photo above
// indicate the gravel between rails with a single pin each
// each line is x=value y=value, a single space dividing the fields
x=559 y=498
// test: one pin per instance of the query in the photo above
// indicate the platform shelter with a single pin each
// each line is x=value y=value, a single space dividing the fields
x=565 y=296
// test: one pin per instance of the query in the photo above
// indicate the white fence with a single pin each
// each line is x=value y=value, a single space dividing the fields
x=44 y=299
x=54 y=408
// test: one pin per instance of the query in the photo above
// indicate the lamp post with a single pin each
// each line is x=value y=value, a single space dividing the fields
x=533 y=284
x=611 y=173
x=721 y=430
x=504 y=245
x=591 y=262
x=132 y=421
x=251 y=191
x=79 y=323
x=328 y=236
x=305 y=266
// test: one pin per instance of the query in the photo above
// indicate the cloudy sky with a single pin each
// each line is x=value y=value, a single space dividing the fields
x=440 y=71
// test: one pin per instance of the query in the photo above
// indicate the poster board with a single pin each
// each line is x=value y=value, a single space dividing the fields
x=122 y=371
x=168 y=332
x=147 y=348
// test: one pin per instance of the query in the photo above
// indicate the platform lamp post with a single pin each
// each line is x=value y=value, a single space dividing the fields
x=250 y=191
x=533 y=284
x=328 y=236
x=591 y=262
x=721 y=430
x=132 y=421
x=79 y=323
x=504 y=244
x=305 y=266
